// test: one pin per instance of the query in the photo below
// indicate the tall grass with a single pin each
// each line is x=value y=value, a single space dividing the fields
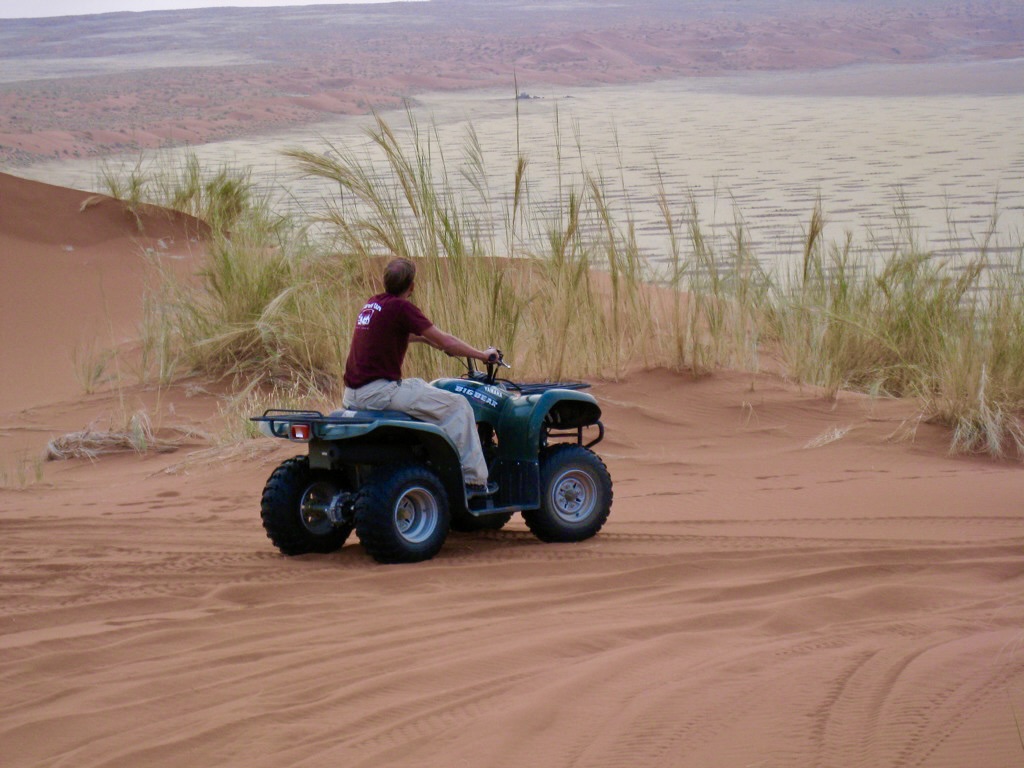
x=403 y=201
x=564 y=289
x=907 y=324
x=261 y=306
x=219 y=198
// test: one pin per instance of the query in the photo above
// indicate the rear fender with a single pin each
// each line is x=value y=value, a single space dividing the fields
x=390 y=442
x=339 y=440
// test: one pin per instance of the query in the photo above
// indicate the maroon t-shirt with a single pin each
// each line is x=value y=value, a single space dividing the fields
x=380 y=339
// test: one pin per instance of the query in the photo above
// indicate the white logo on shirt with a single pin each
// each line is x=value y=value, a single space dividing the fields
x=367 y=314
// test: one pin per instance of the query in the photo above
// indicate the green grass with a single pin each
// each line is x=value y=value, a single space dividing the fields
x=24 y=473
x=562 y=287
x=92 y=366
x=220 y=198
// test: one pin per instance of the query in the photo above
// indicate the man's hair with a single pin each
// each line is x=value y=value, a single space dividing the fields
x=398 y=276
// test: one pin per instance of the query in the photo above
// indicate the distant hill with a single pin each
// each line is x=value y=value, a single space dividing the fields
x=76 y=86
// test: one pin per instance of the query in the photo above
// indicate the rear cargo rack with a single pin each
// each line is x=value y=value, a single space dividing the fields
x=289 y=412
x=275 y=422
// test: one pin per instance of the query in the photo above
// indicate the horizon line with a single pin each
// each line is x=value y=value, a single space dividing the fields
x=11 y=10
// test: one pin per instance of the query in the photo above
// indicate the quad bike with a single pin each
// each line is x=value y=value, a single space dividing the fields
x=398 y=483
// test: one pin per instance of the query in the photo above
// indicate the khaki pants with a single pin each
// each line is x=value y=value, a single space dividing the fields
x=451 y=412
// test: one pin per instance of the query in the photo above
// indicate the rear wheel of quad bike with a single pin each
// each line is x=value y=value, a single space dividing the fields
x=402 y=514
x=576 y=495
x=294 y=509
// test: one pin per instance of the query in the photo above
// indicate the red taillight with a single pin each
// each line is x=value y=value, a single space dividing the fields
x=300 y=432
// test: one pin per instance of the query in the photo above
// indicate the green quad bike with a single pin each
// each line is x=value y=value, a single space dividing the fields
x=398 y=482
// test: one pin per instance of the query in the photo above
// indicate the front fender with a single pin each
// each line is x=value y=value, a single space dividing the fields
x=556 y=409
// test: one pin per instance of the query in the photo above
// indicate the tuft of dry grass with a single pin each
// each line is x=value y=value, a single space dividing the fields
x=90 y=443
x=258 y=396
x=827 y=437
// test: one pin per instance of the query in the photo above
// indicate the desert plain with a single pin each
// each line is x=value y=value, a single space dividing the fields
x=785 y=579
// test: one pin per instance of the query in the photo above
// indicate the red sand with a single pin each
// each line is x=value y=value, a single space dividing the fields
x=74 y=267
x=753 y=600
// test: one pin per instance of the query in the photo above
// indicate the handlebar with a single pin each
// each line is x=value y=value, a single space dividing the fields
x=491 y=377
x=499 y=360
x=493 y=363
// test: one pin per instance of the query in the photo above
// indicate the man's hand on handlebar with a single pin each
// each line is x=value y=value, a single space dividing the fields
x=494 y=357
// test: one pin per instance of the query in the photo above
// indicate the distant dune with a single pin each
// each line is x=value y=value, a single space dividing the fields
x=81 y=86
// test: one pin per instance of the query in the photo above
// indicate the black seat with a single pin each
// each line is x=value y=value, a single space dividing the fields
x=349 y=413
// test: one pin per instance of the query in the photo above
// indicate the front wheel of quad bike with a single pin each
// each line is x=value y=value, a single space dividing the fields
x=576 y=495
x=402 y=514
x=294 y=509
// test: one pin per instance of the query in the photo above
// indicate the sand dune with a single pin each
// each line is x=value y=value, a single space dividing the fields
x=74 y=268
x=784 y=580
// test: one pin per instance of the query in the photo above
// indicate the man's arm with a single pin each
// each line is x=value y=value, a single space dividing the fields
x=452 y=345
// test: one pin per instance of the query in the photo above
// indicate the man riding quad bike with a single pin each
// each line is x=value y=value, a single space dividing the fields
x=398 y=481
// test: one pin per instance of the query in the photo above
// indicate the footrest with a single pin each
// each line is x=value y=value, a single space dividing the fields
x=481 y=491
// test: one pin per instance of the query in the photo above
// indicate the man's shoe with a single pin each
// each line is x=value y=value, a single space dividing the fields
x=475 y=490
